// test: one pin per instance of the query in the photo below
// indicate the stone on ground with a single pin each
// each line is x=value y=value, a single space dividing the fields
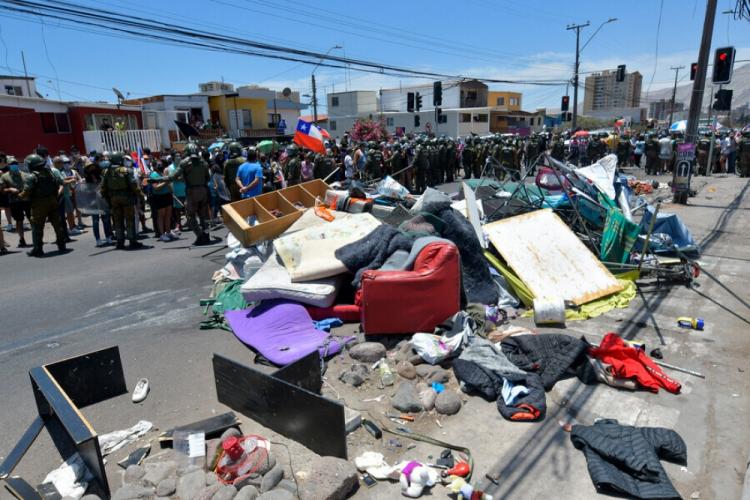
x=327 y=478
x=288 y=484
x=276 y=495
x=156 y=473
x=406 y=370
x=226 y=492
x=166 y=487
x=355 y=375
x=133 y=474
x=367 y=352
x=248 y=492
x=448 y=403
x=427 y=398
x=133 y=491
x=191 y=483
x=272 y=478
x=406 y=398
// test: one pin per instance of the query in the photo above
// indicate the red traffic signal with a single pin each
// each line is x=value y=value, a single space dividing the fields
x=693 y=71
x=564 y=104
x=723 y=64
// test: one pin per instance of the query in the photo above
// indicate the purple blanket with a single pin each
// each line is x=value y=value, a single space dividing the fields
x=282 y=331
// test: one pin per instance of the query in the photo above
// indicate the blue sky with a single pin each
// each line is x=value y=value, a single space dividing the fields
x=509 y=39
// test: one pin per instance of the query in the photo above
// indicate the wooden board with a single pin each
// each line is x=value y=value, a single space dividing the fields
x=21 y=447
x=550 y=259
x=90 y=378
x=311 y=420
x=210 y=426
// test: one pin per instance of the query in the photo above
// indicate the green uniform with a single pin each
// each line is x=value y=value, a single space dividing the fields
x=293 y=171
x=374 y=164
x=701 y=155
x=42 y=189
x=558 y=150
x=196 y=173
x=467 y=160
x=231 y=166
x=397 y=162
x=421 y=165
x=450 y=162
x=743 y=155
x=119 y=189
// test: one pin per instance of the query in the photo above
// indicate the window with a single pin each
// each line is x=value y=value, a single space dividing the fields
x=11 y=90
x=389 y=122
x=464 y=117
x=471 y=95
x=443 y=119
x=498 y=118
x=273 y=120
x=514 y=101
x=481 y=118
x=332 y=124
x=55 y=123
x=501 y=101
x=334 y=101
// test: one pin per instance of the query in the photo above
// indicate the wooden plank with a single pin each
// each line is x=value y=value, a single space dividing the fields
x=21 y=447
x=58 y=404
x=92 y=377
x=19 y=488
x=304 y=373
x=550 y=259
x=310 y=419
x=210 y=426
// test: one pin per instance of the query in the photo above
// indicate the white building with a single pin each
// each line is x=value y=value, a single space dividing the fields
x=353 y=103
x=161 y=111
x=19 y=86
x=455 y=94
x=215 y=88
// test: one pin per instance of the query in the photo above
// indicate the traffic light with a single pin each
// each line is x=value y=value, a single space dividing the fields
x=621 y=73
x=437 y=93
x=441 y=118
x=416 y=120
x=693 y=71
x=723 y=100
x=568 y=117
x=410 y=102
x=564 y=103
x=418 y=101
x=723 y=63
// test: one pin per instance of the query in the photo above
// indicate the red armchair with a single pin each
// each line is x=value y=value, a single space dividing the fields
x=416 y=300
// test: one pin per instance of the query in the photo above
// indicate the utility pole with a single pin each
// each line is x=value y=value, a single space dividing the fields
x=26 y=74
x=713 y=135
x=576 y=27
x=676 y=70
x=681 y=189
x=314 y=100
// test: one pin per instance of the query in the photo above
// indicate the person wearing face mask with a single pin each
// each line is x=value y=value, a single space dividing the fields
x=119 y=189
x=12 y=183
x=93 y=174
x=69 y=180
x=43 y=190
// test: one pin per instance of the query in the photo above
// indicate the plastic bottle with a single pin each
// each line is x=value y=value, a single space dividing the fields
x=236 y=460
x=386 y=374
x=694 y=323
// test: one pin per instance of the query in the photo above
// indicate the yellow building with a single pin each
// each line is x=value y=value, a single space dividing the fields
x=504 y=101
x=238 y=113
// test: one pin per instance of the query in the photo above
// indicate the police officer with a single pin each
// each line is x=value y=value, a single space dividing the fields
x=293 y=166
x=374 y=162
x=43 y=190
x=230 y=169
x=196 y=173
x=558 y=148
x=120 y=190
x=451 y=161
x=467 y=158
x=623 y=151
x=652 y=155
x=397 y=162
x=421 y=164
x=743 y=153
x=704 y=144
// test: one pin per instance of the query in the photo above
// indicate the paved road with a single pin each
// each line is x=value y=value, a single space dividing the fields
x=146 y=302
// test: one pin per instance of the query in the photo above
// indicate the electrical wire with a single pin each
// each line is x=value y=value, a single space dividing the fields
x=656 y=49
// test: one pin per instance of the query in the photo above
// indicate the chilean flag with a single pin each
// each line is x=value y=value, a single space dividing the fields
x=309 y=136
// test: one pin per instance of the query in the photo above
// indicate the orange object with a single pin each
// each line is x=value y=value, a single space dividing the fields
x=322 y=212
x=461 y=469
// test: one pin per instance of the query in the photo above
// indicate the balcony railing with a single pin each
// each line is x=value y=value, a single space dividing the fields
x=122 y=140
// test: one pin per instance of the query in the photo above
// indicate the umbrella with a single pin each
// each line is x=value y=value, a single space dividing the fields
x=215 y=145
x=581 y=133
x=267 y=146
x=679 y=126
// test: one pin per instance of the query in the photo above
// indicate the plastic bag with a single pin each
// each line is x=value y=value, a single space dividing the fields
x=435 y=349
x=392 y=189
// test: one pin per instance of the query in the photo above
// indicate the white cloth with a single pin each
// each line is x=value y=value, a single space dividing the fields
x=72 y=478
x=115 y=440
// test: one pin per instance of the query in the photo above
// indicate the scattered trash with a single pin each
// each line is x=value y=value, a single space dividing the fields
x=415 y=477
x=135 y=458
x=113 y=441
x=141 y=390
x=372 y=428
x=656 y=353
x=694 y=323
x=438 y=387
x=72 y=478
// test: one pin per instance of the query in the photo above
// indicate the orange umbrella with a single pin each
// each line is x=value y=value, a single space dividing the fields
x=581 y=133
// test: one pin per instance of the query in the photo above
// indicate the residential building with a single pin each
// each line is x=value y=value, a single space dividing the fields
x=517 y=122
x=160 y=112
x=21 y=86
x=603 y=92
x=27 y=122
x=240 y=116
x=455 y=94
x=215 y=88
x=282 y=111
x=501 y=100
x=353 y=103
x=660 y=110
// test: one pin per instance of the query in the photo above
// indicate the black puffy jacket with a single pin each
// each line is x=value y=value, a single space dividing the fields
x=625 y=460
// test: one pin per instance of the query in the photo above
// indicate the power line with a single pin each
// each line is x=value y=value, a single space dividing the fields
x=656 y=49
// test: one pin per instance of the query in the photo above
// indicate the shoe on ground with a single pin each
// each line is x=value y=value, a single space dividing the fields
x=74 y=232
x=203 y=239
x=172 y=236
x=165 y=237
x=137 y=245
x=68 y=240
x=146 y=229
x=10 y=228
x=141 y=390
x=3 y=251
x=36 y=252
x=62 y=248
x=120 y=244
x=100 y=243
x=22 y=244
x=109 y=240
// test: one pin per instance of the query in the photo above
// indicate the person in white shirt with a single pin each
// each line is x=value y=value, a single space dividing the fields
x=665 y=152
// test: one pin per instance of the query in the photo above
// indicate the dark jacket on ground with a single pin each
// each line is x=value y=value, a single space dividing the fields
x=553 y=356
x=625 y=460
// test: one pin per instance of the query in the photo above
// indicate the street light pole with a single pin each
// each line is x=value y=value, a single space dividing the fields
x=674 y=91
x=314 y=88
x=576 y=27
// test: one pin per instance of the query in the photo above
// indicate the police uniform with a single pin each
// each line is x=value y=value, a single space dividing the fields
x=743 y=154
x=42 y=190
x=196 y=173
x=120 y=190
x=230 y=169
x=293 y=168
x=421 y=164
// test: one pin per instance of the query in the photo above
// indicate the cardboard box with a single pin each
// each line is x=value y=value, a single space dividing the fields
x=267 y=226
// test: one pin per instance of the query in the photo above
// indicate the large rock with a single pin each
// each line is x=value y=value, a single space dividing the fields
x=267 y=462
x=289 y=485
x=133 y=474
x=406 y=398
x=355 y=375
x=205 y=493
x=226 y=492
x=133 y=491
x=367 y=352
x=247 y=493
x=327 y=478
x=427 y=398
x=166 y=487
x=448 y=403
x=91 y=496
x=272 y=478
x=156 y=473
x=433 y=374
x=276 y=495
x=406 y=370
x=189 y=485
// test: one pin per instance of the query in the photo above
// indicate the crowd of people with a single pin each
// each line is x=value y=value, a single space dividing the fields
x=187 y=188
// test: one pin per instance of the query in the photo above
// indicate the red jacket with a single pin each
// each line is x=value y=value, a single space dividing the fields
x=632 y=363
